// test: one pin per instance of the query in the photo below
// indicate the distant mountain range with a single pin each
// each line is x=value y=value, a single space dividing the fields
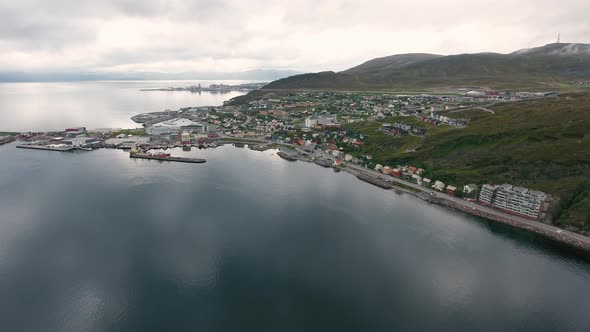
x=548 y=66
x=49 y=76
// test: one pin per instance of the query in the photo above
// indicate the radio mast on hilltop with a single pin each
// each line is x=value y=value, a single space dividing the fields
x=558 y=37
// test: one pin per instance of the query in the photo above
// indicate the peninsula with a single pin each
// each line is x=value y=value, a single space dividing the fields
x=216 y=88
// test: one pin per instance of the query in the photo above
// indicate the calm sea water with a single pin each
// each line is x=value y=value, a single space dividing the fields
x=55 y=106
x=97 y=241
x=246 y=242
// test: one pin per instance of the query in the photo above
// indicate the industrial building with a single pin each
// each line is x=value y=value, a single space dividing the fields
x=325 y=120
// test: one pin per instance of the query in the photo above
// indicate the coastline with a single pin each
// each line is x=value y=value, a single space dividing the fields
x=558 y=235
x=572 y=240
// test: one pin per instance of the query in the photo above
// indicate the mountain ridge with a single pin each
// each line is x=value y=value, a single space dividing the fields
x=549 y=65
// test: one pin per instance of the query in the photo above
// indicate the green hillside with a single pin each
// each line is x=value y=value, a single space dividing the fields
x=541 y=144
x=389 y=63
x=546 y=67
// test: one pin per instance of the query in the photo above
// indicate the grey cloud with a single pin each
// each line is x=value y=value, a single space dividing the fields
x=305 y=34
x=36 y=32
x=57 y=23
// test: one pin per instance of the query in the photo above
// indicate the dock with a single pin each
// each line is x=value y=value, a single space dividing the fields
x=286 y=156
x=323 y=162
x=162 y=158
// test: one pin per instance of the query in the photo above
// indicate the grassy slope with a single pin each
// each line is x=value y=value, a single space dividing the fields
x=541 y=144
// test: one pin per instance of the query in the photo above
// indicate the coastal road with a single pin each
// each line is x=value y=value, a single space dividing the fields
x=474 y=206
x=458 y=202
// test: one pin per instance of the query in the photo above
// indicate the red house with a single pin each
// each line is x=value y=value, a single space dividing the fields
x=451 y=190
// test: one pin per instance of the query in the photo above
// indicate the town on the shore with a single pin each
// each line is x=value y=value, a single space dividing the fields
x=312 y=126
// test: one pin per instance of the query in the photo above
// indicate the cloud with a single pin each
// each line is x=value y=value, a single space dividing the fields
x=234 y=35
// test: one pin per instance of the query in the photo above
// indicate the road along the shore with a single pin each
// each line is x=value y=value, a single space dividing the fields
x=568 y=238
x=575 y=240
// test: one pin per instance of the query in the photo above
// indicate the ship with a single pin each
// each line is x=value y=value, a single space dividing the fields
x=166 y=157
x=163 y=156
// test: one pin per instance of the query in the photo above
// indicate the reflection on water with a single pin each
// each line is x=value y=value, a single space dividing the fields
x=250 y=242
x=55 y=106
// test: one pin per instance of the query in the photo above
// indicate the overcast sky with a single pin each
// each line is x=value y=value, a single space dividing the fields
x=237 y=35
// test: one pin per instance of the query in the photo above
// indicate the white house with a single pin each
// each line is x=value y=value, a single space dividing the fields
x=438 y=185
